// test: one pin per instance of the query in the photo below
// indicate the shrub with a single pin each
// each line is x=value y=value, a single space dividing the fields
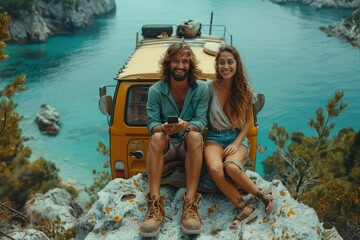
x=321 y=171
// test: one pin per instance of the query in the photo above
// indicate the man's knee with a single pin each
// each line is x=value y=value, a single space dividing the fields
x=158 y=141
x=194 y=139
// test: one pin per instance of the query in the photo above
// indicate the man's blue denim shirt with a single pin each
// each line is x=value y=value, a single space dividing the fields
x=161 y=104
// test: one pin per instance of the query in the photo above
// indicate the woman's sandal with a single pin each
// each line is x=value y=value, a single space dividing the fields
x=243 y=216
x=268 y=196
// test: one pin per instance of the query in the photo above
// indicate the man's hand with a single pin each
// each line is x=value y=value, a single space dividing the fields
x=171 y=128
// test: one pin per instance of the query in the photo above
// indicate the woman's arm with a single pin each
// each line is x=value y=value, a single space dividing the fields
x=232 y=148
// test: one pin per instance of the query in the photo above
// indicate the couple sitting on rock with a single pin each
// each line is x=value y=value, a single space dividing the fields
x=225 y=104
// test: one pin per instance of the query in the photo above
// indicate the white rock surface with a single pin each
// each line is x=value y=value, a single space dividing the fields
x=57 y=203
x=30 y=234
x=121 y=207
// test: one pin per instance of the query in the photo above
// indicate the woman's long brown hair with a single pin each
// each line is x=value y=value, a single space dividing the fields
x=240 y=93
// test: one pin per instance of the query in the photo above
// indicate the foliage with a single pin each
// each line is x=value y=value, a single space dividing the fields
x=19 y=177
x=321 y=171
x=10 y=141
x=101 y=178
x=54 y=229
x=352 y=21
x=13 y=7
x=4 y=34
x=307 y=161
x=337 y=204
x=22 y=179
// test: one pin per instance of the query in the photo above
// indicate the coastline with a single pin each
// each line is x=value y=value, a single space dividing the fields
x=347 y=29
x=47 y=18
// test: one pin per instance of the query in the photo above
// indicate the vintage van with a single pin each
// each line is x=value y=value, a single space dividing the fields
x=126 y=108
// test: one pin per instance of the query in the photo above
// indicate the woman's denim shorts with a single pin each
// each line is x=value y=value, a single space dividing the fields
x=224 y=137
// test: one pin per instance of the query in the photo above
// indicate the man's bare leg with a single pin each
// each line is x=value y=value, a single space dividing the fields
x=191 y=221
x=155 y=161
x=150 y=226
x=193 y=163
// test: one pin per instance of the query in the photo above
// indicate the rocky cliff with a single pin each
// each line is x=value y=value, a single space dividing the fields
x=121 y=207
x=324 y=3
x=49 y=17
x=348 y=28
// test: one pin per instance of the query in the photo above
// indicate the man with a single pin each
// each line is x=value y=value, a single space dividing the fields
x=179 y=94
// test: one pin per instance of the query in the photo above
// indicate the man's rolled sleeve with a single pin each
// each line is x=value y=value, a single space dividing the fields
x=153 y=109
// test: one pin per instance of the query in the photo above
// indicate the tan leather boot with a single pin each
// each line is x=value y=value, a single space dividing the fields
x=191 y=222
x=150 y=227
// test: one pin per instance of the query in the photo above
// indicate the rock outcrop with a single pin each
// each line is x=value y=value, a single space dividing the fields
x=29 y=234
x=121 y=207
x=347 y=29
x=51 y=17
x=48 y=120
x=324 y=3
x=55 y=204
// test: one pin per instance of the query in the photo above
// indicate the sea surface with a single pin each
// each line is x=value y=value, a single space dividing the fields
x=287 y=58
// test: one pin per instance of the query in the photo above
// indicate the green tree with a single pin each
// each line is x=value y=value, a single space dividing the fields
x=307 y=161
x=10 y=141
x=321 y=171
x=13 y=7
x=19 y=177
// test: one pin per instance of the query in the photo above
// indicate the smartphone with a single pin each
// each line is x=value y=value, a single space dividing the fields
x=172 y=119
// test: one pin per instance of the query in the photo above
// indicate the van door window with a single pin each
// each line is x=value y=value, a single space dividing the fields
x=136 y=105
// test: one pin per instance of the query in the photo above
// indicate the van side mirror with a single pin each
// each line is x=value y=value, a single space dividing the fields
x=102 y=91
x=258 y=103
x=105 y=105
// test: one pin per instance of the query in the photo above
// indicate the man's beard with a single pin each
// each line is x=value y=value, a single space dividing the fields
x=179 y=77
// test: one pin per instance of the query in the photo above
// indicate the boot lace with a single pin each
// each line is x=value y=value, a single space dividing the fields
x=154 y=211
x=191 y=210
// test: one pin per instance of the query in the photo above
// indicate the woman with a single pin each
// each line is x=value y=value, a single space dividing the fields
x=226 y=145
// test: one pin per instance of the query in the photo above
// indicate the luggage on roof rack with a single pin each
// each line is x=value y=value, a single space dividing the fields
x=154 y=30
x=189 y=29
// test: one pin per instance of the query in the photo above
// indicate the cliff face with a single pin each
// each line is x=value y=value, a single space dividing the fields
x=49 y=17
x=325 y=3
x=348 y=28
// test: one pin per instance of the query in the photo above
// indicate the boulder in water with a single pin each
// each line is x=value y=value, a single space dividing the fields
x=48 y=120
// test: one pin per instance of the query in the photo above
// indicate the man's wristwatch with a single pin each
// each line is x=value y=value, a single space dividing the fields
x=187 y=129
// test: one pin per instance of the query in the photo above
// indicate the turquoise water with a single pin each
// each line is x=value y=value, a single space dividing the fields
x=287 y=57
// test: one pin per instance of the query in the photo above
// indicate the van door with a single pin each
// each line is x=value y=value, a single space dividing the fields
x=129 y=138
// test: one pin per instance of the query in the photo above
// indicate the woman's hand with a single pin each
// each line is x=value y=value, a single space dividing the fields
x=230 y=150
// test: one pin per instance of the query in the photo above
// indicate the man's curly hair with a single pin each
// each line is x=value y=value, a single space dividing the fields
x=182 y=48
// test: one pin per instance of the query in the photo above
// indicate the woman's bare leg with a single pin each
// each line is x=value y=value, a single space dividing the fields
x=214 y=161
x=239 y=176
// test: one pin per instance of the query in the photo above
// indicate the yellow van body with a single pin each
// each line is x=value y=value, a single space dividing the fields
x=129 y=137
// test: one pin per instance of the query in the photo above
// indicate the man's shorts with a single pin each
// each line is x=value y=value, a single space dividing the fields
x=177 y=150
x=225 y=137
